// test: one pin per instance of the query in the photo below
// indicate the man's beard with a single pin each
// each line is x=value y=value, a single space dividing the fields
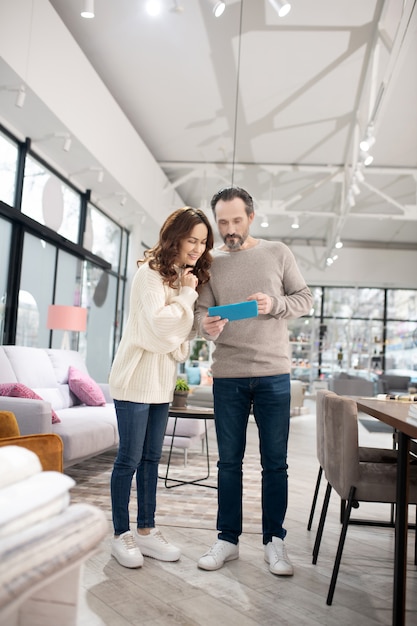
x=234 y=242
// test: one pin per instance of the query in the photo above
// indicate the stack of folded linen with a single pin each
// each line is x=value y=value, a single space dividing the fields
x=43 y=540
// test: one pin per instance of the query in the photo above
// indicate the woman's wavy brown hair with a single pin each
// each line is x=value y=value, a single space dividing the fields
x=176 y=228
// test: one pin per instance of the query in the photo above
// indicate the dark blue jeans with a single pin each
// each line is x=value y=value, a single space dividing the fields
x=141 y=431
x=270 y=397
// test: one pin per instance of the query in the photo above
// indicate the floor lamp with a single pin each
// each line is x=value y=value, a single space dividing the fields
x=68 y=319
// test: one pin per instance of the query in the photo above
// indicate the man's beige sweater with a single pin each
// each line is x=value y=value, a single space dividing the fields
x=257 y=346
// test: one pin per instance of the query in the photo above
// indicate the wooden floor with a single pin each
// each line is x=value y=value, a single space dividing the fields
x=244 y=592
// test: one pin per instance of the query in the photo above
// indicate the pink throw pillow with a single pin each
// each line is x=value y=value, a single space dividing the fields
x=18 y=390
x=85 y=388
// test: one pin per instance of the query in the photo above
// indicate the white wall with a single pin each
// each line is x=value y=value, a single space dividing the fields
x=360 y=267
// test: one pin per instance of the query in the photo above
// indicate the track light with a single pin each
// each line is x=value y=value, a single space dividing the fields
x=359 y=176
x=218 y=7
x=295 y=223
x=366 y=158
x=338 y=244
x=116 y=194
x=282 y=8
x=367 y=143
x=355 y=188
x=67 y=144
x=99 y=170
x=264 y=221
x=153 y=7
x=351 y=199
x=21 y=94
x=122 y=196
x=60 y=135
x=88 y=11
x=21 y=97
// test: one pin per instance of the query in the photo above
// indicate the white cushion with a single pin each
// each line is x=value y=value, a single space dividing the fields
x=32 y=366
x=7 y=374
x=61 y=361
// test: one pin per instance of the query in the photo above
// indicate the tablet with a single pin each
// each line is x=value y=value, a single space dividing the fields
x=236 y=311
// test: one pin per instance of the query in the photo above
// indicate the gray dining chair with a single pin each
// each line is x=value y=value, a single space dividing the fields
x=320 y=395
x=365 y=453
x=370 y=477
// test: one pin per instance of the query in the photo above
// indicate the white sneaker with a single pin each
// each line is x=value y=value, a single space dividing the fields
x=219 y=553
x=156 y=546
x=125 y=550
x=277 y=557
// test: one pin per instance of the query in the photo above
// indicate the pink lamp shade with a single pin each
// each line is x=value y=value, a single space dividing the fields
x=61 y=317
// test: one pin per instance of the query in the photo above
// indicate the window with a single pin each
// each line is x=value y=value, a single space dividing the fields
x=48 y=200
x=8 y=167
x=102 y=236
x=349 y=302
x=402 y=304
x=5 y=238
x=35 y=294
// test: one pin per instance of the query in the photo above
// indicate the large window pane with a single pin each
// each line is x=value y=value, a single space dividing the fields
x=49 y=201
x=350 y=302
x=99 y=290
x=8 y=167
x=36 y=289
x=67 y=292
x=401 y=349
x=102 y=236
x=351 y=345
x=402 y=304
x=5 y=238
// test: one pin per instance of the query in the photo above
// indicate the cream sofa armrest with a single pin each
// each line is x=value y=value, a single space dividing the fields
x=33 y=416
x=105 y=388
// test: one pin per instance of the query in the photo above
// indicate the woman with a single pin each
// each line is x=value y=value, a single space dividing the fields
x=144 y=371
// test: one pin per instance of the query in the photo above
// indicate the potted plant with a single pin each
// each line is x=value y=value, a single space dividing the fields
x=180 y=393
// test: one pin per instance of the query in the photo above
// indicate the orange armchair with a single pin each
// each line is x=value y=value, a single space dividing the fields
x=47 y=446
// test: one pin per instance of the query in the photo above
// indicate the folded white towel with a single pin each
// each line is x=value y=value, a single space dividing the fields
x=16 y=464
x=32 y=500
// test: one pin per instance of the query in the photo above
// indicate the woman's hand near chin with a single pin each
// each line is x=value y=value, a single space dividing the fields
x=188 y=279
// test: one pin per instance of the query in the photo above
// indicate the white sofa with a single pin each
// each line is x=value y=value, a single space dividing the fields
x=85 y=430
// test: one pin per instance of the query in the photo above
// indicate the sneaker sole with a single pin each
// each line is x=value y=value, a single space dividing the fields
x=160 y=557
x=125 y=564
x=209 y=568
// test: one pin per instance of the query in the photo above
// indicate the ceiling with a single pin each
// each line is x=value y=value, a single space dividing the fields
x=275 y=105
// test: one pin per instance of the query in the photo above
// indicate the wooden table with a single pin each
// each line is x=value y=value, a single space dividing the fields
x=189 y=412
x=395 y=413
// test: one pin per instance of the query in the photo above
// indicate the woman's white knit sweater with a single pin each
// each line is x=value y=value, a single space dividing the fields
x=154 y=340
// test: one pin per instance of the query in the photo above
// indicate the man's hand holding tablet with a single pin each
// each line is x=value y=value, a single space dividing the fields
x=236 y=311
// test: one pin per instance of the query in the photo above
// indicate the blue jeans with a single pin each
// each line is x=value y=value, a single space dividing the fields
x=141 y=431
x=270 y=397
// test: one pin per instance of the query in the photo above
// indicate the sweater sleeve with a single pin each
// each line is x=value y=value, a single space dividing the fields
x=296 y=299
x=165 y=315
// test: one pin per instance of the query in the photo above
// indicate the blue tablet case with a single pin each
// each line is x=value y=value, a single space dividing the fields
x=237 y=311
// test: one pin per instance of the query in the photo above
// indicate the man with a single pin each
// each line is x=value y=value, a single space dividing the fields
x=251 y=366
